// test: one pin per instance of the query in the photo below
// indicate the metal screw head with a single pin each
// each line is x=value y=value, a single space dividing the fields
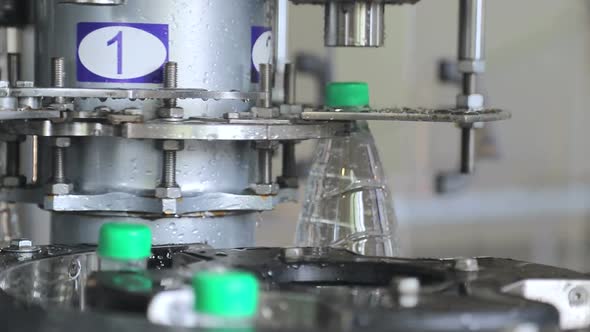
x=171 y=145
x=578 y=296
x=466 y=265
x=62 y=142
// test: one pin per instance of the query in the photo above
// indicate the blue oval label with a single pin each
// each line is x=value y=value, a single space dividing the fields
x=121 y=52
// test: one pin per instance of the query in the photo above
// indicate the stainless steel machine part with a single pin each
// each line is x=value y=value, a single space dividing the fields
x=213 y=53
x=471 y=63
x=359 y=23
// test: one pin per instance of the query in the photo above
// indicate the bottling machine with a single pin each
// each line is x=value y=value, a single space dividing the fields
x=167 y=113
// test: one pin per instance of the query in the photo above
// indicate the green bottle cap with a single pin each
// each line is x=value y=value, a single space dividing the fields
x=123 y=241
x=347 y=94
x=231 y=294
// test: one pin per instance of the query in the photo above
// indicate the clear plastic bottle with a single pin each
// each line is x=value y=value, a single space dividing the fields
x=347 y=202
x=124 y=247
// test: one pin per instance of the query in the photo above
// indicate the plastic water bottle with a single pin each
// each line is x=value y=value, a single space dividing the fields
x=347 y=202
x=124 y=247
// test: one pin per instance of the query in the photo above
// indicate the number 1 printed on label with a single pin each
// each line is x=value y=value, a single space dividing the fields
x=119 y=40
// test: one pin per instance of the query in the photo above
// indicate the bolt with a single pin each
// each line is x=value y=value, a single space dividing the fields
x=58 y=76
x=59 y=184
x=466 y=265
x=169 y=176
x=170 y=81
x=168 y=187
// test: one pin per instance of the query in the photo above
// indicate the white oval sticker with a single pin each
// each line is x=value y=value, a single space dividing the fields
x=121 y=52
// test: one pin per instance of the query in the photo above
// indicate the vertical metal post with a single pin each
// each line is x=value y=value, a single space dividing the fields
x=266 y=70
x=289 y=84
x=471 y=63
x=14 y=68
x=265 y=166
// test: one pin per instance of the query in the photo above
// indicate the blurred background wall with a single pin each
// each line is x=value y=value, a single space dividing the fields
x=530 y=198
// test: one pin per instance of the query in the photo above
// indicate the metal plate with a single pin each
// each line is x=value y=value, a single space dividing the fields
x=183 y=130
x=125 y=202
x=458 y=116
x=130 y=93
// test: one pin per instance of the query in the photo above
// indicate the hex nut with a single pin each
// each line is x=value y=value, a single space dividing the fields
x=21 y=243
x=58 y=189
x=474 y=101
x=169 y=206
x=171 y=145
x=472 y=66
x=265 y=189
x=265 y=113
x=168 y=192
x=62 y=142
x=13 y=181
x=171 y=112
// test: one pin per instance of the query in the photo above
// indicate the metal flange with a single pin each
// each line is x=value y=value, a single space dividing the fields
x=130 y=93
x=214 y=130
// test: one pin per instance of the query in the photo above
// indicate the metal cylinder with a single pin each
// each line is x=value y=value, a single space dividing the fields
x=266 y=72
x=13 y=158
x=290 y=84
x=265 y=166
x=14 y=68
x=469 y=85
x=471 y=29
x=355 y=23
x=289 y=160
x=213 y=53
x=467 y=150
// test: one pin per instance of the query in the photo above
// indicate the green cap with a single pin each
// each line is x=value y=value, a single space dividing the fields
x=123 y=241
x=231 y=294
x=347 y=94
